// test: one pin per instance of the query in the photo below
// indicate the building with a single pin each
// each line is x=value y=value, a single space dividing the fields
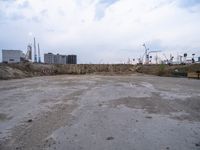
x=12 y=56
x=50 y=58
x=60 y=59
x=71 y=59
x=63 y=59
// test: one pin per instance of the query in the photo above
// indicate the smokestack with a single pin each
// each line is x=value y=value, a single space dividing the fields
x=39 y=60
x=35 y=53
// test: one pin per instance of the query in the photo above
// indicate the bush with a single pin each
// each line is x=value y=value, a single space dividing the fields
x=161 y=70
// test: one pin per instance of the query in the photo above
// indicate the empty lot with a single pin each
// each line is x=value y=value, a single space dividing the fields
x=93 y=112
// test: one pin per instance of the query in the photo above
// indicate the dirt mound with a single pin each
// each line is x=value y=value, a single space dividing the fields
x=166 y=70
x=7 y=72
x=22 y=70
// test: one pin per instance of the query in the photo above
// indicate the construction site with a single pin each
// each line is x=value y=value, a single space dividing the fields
x=119 y=110
x=59 y=104
x=99 y=75
x=63 y=105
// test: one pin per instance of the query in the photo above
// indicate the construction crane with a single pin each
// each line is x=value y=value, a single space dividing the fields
x=165 y=57
x=180 y=59
x=193 y=61
x=169 y=61
x=146 y=54
x=156 y=54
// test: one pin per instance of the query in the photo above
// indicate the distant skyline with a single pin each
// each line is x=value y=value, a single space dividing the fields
x=101 y=31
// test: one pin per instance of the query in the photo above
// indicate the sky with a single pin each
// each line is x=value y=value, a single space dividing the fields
x=102 y=31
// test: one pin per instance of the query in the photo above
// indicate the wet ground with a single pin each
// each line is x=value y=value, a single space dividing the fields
x=93 y=112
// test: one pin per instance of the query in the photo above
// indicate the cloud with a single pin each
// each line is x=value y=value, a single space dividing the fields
x=16 y=16
x=101 y=6
x=189 y=3
x=61 y=12
x=44 y=12
x=24 y=4
x=101 y=30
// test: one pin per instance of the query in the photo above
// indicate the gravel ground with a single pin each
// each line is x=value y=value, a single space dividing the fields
x=93 y=112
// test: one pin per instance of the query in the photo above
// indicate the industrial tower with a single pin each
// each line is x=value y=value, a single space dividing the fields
x=35 y=53
x=39 y=59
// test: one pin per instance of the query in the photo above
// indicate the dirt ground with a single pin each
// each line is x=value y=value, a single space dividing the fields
x=94 y=112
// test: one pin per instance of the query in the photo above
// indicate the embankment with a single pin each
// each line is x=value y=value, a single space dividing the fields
x=22 y=70
x=168 y=70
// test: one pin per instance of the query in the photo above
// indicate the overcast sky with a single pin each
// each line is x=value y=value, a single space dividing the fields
x=102 y=31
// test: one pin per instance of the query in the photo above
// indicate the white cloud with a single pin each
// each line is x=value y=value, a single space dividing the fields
x=99 y=31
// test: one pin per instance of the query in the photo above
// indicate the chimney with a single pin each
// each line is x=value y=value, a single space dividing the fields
x=39 y=59
x=35 y=53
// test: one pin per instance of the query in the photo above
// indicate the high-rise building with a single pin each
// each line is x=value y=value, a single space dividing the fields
x=71 y=59
x=49 y=58
x=60 y=59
